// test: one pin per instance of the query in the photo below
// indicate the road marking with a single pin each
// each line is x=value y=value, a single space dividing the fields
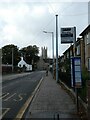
x=27 y=103
x=4 y=95
x=6 y=110
x=20 y=96
x=9 y=97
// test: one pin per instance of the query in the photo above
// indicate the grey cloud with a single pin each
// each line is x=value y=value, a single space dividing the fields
x=30 y=24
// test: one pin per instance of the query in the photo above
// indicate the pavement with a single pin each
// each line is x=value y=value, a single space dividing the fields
x=52 y=101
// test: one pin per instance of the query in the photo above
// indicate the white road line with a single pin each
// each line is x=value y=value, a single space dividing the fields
x=9 y=97
x=20 y=97
x=6 y=110
x=3 y=96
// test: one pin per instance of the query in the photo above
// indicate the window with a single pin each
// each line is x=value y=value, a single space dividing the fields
x=19 y=65
x=67 y=54
x=78 y=50
x=88 y=38
x=71 y=54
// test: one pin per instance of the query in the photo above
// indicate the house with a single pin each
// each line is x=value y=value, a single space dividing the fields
x=86 y=38
x=26 y=67
x=80 y=50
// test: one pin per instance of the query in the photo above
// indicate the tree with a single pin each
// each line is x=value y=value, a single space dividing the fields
x=65 y=71
x=7 y=54
x=30 y=54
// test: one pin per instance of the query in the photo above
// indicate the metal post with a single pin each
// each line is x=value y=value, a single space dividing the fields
x=12 y=60
x=52 y=49
x=74 y=41
x=57 y=48
x=76 y=89
x=53 y=52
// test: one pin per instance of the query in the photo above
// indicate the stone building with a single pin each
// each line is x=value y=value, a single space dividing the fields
x=44 y=52
x=41 y=65
x=86 y=38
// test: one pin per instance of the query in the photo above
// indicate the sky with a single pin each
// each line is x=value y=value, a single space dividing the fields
x=22 y=22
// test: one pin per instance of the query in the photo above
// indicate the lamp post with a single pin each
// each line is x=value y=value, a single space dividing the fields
x=52 y=48
x=57 y=49
x=12 y=60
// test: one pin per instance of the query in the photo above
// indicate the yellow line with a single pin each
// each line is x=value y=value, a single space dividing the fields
x=25 y=106
x=10 y=97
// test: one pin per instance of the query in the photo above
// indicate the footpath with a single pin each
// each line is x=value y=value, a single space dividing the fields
x=52 y=101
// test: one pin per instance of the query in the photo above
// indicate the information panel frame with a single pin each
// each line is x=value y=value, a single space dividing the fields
x=76 y=76
x=68 y=35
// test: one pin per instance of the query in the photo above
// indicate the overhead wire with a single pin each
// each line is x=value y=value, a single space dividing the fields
x=53 y=18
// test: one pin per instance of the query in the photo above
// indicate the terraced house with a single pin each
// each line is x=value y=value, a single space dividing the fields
x=82 y=49
x=86 y=40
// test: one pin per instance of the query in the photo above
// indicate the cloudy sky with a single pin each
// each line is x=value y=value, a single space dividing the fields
x=22 y=22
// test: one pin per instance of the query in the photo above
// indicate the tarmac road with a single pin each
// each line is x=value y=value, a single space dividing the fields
x=16 y=92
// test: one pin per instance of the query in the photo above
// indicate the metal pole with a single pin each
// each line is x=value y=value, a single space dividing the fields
x=74 y=41
x=53 y=51
x=12 y=60
x=76 y=89
x=57 y=48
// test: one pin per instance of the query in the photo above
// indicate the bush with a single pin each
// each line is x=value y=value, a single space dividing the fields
x=65 y=77
x=85 y=74
x=83 y=90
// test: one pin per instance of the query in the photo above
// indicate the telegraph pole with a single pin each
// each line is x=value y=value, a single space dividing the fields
x=57 y=49
x=12 y=60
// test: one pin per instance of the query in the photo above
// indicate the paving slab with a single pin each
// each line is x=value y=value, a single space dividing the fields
x=52 y=101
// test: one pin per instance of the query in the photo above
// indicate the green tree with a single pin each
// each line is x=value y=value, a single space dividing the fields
x=7 y=54
x=30 y=54
x=65 y=75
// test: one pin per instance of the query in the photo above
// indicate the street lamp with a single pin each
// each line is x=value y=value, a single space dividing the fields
x=52 y=48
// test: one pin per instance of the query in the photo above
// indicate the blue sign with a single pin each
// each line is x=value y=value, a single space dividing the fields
x=76 y=72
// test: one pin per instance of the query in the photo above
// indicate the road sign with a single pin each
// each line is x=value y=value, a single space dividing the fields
x=68 y=34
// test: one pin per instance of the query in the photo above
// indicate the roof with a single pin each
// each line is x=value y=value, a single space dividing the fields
x=68 y=49
x=22 y=62
x=85 y=30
